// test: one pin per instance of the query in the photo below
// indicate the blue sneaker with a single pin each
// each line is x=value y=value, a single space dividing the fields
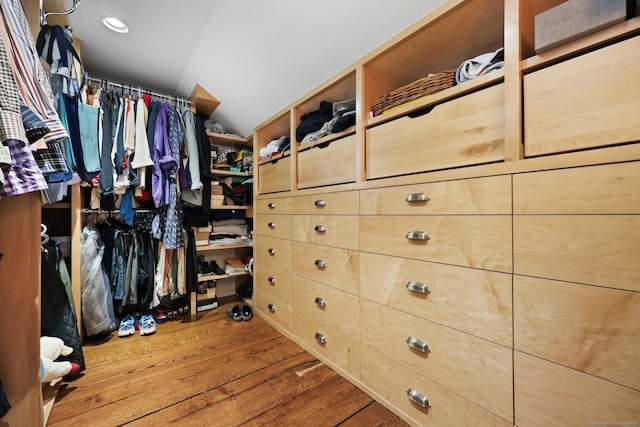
x=127 y=326
x=147 y=325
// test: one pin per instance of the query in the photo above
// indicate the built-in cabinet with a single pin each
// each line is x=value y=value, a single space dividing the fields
x=470 y=257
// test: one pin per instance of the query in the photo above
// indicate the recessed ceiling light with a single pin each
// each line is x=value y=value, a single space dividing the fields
x=116 y=25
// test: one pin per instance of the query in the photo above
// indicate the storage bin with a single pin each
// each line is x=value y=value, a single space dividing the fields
x=573 y=19
x=275 y=176
x=333 y=162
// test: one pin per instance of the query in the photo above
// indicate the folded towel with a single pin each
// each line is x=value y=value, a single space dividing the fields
x=480 y=65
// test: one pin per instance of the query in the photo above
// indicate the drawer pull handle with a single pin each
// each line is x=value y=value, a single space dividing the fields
x=320 y=228
x=418 y=235
x=271 y=251
x=418 y=344
x=321 y=302
x=418 y=398
x=321 y=338
x=320 y=263
x=272 y=308
x=417 y=197
x=418 y=287
x=320 y=203
x=272 y=225
x=271 y=205
x=272 y=280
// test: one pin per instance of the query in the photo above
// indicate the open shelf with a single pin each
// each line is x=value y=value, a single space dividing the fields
x=205 y=277
x=204 y=248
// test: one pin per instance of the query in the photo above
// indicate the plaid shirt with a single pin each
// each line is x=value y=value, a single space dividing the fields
x=23 y=175
x=10 y=117
x=30 y=76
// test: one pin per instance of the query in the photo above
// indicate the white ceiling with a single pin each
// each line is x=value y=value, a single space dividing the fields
x=255 y=56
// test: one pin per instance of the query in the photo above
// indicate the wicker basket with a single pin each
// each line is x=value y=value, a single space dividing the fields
x=421 y=87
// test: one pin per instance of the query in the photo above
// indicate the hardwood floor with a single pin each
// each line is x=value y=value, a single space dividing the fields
x=211 y=372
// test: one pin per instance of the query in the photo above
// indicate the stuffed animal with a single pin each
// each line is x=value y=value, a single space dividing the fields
x=50 y=349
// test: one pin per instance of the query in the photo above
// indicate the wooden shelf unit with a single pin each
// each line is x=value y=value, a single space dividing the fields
x=513 y=168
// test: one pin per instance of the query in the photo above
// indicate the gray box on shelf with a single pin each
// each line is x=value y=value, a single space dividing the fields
x=574 y=19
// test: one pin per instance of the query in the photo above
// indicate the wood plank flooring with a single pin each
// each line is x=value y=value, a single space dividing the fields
x=211 y=371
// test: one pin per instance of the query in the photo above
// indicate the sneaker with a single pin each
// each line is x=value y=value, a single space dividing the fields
x=147 y=325
x=201 y=288
x=247 y=313
x=127 y=326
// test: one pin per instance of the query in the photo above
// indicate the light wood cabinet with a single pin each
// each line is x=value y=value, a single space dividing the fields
x=495 y=222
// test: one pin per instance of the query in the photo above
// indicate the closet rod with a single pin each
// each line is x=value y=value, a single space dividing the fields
x=43 y=14
x=123 y=86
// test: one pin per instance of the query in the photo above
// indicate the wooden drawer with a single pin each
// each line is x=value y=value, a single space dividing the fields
x=584 y=102
x=338 y=349
x=587 y=328
x=273 y=225
x=344 y=203
x=273 y=308
x=547 y=394
x=274 y=176
x=473 y=301
x=604 y=189
x=329 y=163
x=491 y=195
x=327 y=306
x=273 y=251
x=331 y=230
x=391 y=381
x=465 y=131
x=601 y=250
x=481 y=241
x=341 y=266
x=476 y=369
x=273 y=280
x=274 y=206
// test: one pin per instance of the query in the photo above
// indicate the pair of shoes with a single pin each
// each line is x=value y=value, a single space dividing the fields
x=147 y=325
x=183 y=308
x=172 y=314
x=215 y=268
x=211 y=284
x=159 y=313
x=237 y=313
x=127 y=326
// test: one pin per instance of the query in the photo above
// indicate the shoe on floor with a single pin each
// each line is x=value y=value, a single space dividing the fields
x=147 y=325
x=235 y=313
x=127 y=326
x=247 y=313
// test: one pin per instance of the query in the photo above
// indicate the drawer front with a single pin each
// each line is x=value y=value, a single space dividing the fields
x=273 y=280
x=604 y=189
x=275 y=176
x=272 y=251
x=476 y=369
x=587 y=328
x=465 y=131
x=273 y=308
x=331 y=230
x=344 y=203
x=274 y=206
x=391 y=381
x=330 y=345
x=491 y=195
x=601 y=250
x=335 y=267
x=273 y=226
x=584 y=102
x=474 y=301
x=547 y=394
x=334 y=163
x=327 y=306
x=473 y=241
